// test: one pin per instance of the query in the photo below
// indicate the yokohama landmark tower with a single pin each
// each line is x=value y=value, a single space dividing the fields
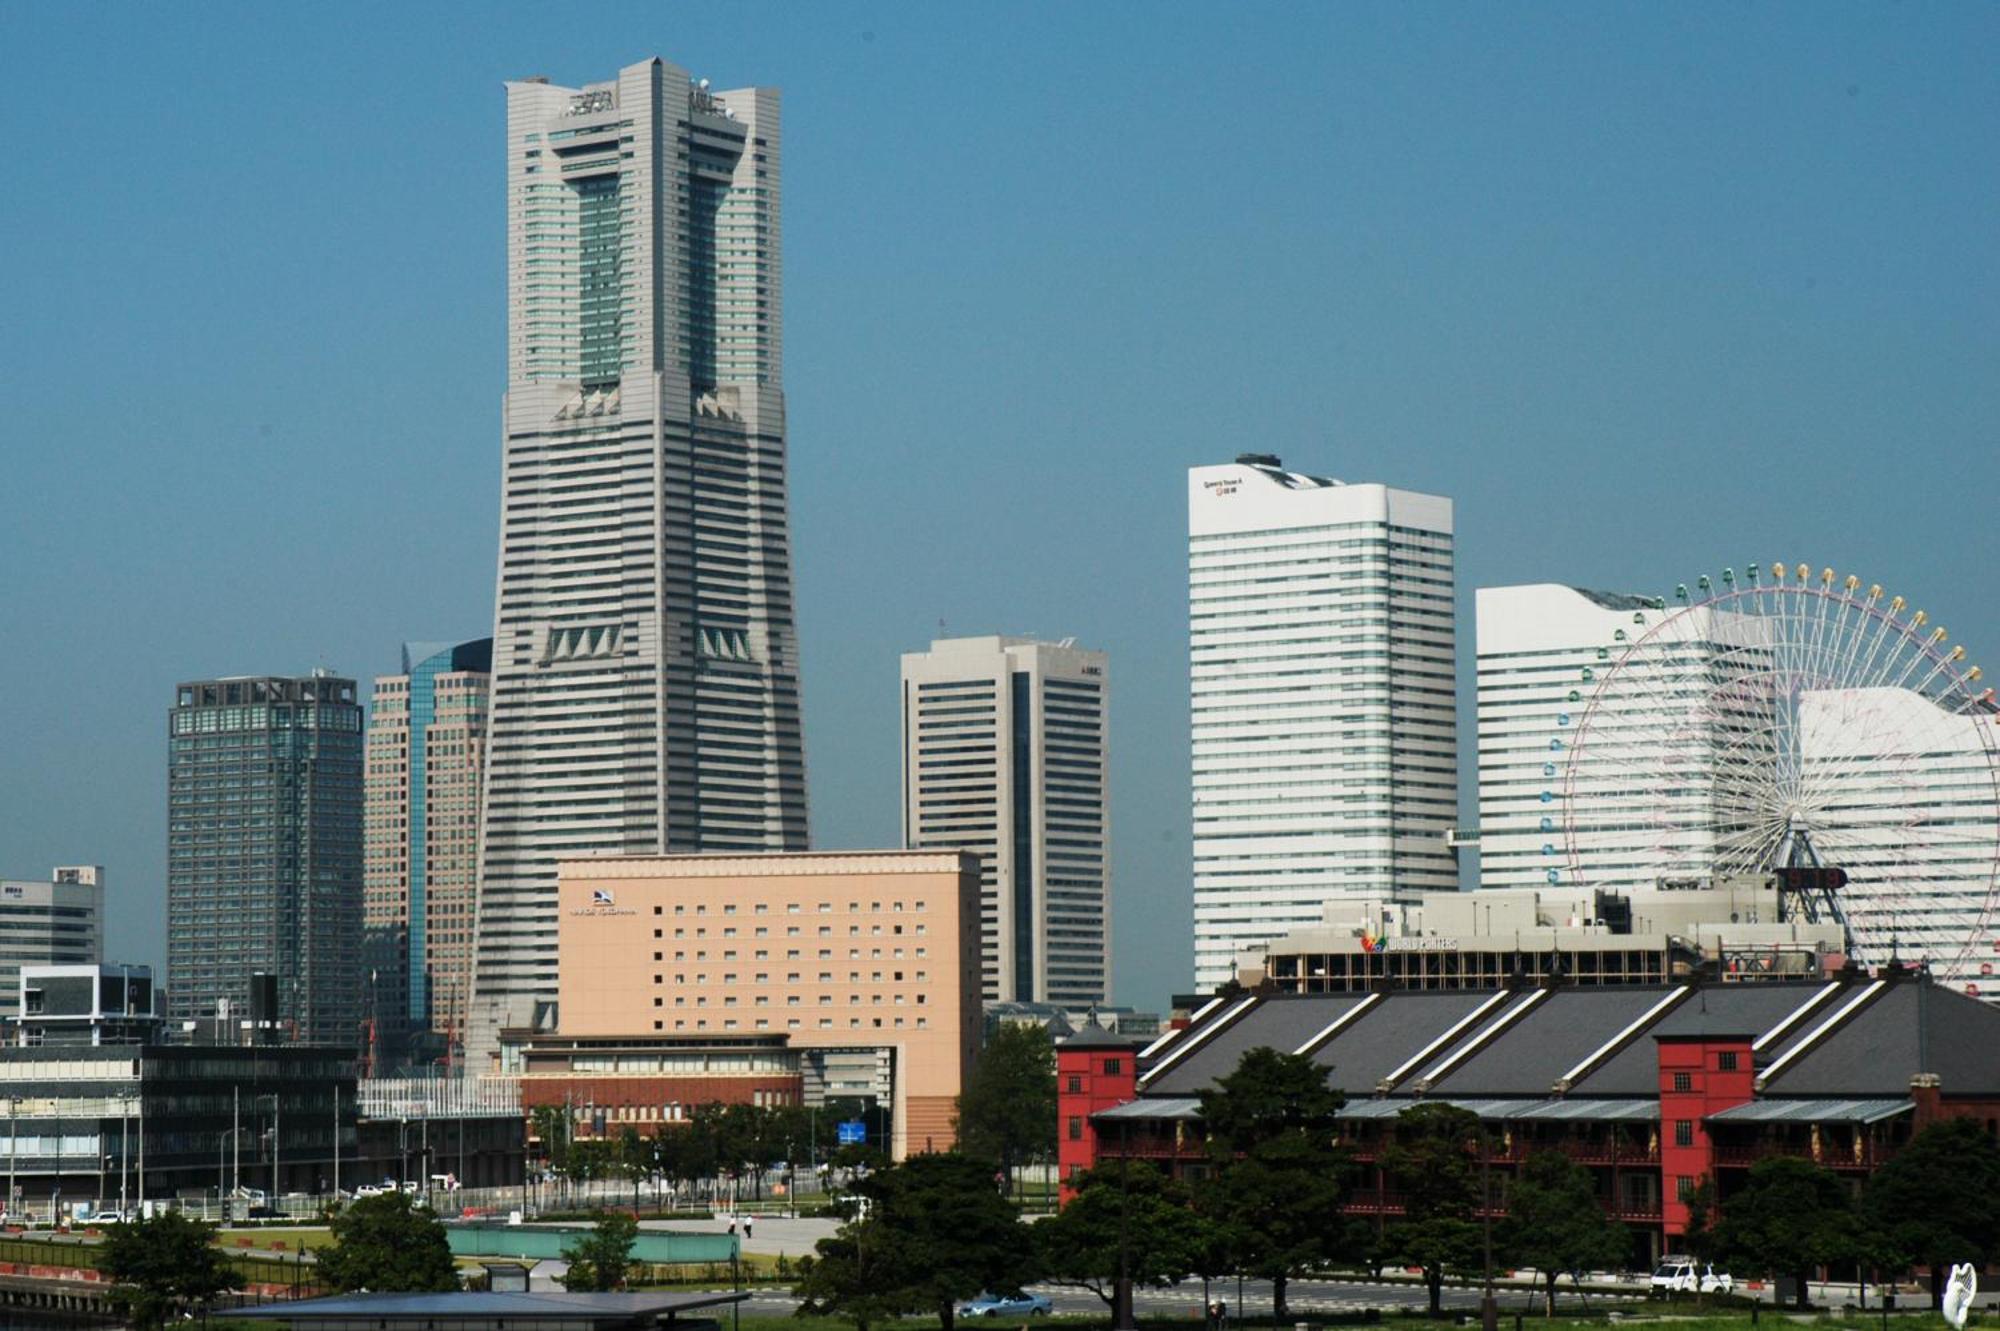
x=645 y=660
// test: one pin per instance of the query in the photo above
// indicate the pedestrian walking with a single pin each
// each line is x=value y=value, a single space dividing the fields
x=748 y=1221
x=732 y=1226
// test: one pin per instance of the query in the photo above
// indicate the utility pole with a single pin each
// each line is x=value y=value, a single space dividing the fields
x=235 y=1138
x=336 y=1143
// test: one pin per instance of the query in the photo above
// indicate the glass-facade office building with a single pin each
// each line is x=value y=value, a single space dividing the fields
x=426 y=751
x=264 y=794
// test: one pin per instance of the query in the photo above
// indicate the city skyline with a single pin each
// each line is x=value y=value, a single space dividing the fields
x=1647 y=296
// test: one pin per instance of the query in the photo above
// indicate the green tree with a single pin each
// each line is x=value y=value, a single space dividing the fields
x=1554 y=1222
x=165 y=1268
x=1279 y=1177
x=552 y=1130
x=388 y=1244
x=936 y=1231
x=1120 y=1209
x=1937 y=1201
x=601 y=1259
x=1433 y=1164
x=1789 y=1216
x=844 y=1277
x=635 y=1159
x=1007 y=1111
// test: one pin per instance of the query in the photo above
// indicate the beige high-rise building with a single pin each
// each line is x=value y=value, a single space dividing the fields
x=426 y=751
x=1004 y=755
x=645 y=654
x=861 y=952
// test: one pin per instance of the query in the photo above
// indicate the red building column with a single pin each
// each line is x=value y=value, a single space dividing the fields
x=1094 y=1070
x=1699 y=1075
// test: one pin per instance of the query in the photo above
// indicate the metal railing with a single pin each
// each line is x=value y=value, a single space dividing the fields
x=439 y=1097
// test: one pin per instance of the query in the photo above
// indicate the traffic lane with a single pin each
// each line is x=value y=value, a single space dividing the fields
x=1300 y=1295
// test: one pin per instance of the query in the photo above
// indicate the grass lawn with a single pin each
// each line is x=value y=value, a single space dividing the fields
x=265 y=1240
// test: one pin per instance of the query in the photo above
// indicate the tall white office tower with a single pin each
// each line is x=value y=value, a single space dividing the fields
x=645 y=666
x=1543 y=650
x=1321 y=645
x=1004 y=754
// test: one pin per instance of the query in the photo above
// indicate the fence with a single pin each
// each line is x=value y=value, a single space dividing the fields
x=439 y=1097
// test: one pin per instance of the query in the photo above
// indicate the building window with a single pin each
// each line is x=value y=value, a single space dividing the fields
x=1075 y=1128
x=1726 y=1061
x=1683 y=1187
x=1683 y=1132
x=1076 y=1085
x=1113 y=1066
x=1683 y=1081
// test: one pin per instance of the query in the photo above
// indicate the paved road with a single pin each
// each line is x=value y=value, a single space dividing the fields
x=1303 y=1297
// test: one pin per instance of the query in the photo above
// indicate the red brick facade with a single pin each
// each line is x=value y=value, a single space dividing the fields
x=1699 y=1076
x=1096 y=1075
x=647 y=1103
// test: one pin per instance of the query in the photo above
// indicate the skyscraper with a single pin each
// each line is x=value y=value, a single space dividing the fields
x=1004 y=755
x=426 y=750
x=1543 y=648
x=1321 y=654
x=645 y=660
x=52 y=922
x=264 y=850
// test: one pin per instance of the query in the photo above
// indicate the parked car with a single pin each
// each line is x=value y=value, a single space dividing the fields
x=1018 y=1305
x=106 y=1218
x=374 y=1189
x=1716 y=1282
x=1673 y=1275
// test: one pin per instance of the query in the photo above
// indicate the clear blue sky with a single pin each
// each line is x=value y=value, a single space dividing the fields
x=1647 y=289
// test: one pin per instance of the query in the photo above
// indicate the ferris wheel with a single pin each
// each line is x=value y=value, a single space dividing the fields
x=1801 y=725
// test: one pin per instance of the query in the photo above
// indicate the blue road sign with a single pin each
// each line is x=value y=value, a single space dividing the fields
x=853 y=1132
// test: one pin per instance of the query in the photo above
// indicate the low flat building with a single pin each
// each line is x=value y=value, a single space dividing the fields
x=496 y=1311
x=85 y=1005
x=1731 y=928
x=873 y=954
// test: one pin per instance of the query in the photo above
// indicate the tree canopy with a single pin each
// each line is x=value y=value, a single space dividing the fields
x=389 y=1243
x=1937 y=1201
x=165 y=1268
x=1433 y=1164
x=1554 y=1222
x=1120 y=1208
x=600 y=1260
x=1278 y=1175
x=937 y=1231
x=1788 y=1217
x=1007 y=1111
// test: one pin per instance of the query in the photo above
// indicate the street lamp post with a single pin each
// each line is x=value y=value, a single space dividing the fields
x=1489 y=1307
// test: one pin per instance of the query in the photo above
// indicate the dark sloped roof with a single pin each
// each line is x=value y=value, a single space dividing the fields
x=1554 y=1036
x=1716 y=1009
x=1283 y=1023
x=407 y=1309
x=1384 y=1039
x=1093 y=1036
x=1902 y=1028
x=1876 y=1051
